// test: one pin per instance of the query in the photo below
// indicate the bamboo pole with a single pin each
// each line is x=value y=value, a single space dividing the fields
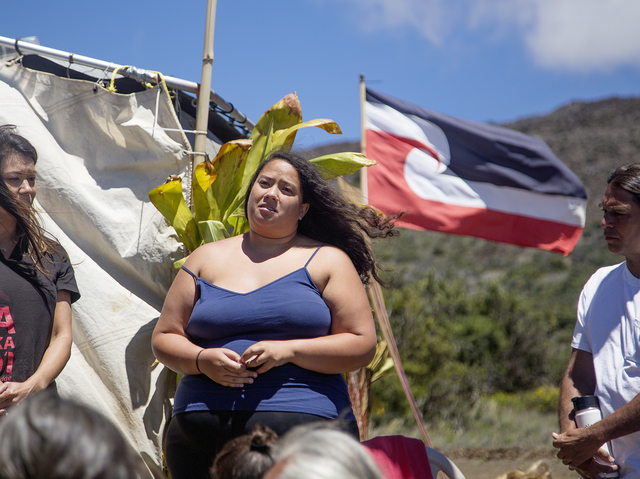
x=375 y=291
x=202 y=112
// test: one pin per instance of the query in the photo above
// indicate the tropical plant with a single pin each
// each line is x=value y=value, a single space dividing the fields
x=219 y=186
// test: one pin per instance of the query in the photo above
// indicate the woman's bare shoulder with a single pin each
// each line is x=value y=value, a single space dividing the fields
x=331 y=252
x=216 y=249
x=330 y=259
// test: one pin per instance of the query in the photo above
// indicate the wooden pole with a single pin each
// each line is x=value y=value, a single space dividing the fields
x=375 y=291
x=202 y=113
x=363 y=139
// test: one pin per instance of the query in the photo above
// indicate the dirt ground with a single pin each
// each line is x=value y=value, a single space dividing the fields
x=491 y=463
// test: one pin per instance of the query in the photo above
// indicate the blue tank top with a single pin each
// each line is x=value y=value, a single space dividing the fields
x=290 y=307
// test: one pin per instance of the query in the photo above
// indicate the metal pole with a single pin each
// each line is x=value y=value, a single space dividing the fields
x=202 y=113
x=176 y=83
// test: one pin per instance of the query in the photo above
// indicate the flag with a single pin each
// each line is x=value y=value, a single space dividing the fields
x=462 y=177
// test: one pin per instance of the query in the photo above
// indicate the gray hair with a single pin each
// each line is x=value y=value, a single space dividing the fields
x=322 y=452
x=46 y=437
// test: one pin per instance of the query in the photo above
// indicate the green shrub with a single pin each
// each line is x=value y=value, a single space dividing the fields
x=475 y=319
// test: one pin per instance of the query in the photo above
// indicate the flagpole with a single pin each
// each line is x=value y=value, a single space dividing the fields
x=375 y=291
x=363 y=139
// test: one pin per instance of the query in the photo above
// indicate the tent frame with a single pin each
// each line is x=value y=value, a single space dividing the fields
x=23 y=47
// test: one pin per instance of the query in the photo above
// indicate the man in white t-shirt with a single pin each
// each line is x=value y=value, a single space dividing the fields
x=605 y=360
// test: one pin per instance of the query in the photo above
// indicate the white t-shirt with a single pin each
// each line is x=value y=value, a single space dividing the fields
x=608 y=327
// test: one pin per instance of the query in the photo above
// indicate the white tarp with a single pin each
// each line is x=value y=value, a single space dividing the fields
x=99 y=155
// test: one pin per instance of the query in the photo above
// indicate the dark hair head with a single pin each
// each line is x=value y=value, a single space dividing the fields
x=331 y=219
x=627 y=178
x=46 y=437
x=246 y=457
x=310 y=179
x=12 y=143
x=30 y=236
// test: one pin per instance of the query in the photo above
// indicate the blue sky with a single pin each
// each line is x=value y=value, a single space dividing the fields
x=484 y=60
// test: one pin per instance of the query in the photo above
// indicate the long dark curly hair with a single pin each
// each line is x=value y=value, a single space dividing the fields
x=31 y=238
x=333 y=220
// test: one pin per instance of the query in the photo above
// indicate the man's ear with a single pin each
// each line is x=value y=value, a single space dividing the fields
x=303 y=210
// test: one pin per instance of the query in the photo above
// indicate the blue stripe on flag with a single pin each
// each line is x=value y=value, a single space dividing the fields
x=493 y=154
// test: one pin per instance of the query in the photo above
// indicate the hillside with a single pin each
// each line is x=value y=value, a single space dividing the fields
x=591 y=139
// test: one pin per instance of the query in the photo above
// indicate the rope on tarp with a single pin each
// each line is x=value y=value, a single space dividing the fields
x=22 y=47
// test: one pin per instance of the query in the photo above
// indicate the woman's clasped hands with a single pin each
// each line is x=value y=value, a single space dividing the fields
x=225 y=367
x=228 y=368
x=265 y=355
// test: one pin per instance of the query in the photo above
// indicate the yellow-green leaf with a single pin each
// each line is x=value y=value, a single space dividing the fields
x=338 y=164
x=382 y=364
x=178 y=264
x=212 y=231
x=386 y=369
x=226 y=193
x=284 y=139
x=203 y=201
x=284 y=114
x=168 y=199
x=238 y=222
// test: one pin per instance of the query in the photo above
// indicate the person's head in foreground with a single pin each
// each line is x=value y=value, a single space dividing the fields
x=246 y=457
x=621 y=214
x=18 y=160
x=318 y=451
x=46 y=437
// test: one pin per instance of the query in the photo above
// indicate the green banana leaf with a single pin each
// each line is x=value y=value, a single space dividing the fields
x=238 y=222
x=219 y=186
x=212 y=230
x=382 y=363
x=338 y=164
x=168 y=199
x=178 y=264
x=284 y=114
x=226 y=192
x=203 y=202
x=284 y=139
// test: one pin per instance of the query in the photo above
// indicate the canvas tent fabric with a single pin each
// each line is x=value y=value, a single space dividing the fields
x=100 y=153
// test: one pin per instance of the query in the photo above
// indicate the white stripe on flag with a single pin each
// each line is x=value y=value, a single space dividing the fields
x=379 y=117
x=426 y=179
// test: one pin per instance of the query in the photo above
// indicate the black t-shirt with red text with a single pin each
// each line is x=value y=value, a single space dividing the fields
x=27 y=305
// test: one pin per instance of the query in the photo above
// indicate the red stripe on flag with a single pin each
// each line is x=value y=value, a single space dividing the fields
x=491 y=225
x=389 y=192
x=414 y=143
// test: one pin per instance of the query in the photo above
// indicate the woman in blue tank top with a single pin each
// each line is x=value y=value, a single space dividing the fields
x=262 y=325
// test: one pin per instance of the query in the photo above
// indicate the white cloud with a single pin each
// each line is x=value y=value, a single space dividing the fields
x=586 y=35
x=574 y=35
x=432 y=19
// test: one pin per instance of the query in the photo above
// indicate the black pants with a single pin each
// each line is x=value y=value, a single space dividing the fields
x=194 y=438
